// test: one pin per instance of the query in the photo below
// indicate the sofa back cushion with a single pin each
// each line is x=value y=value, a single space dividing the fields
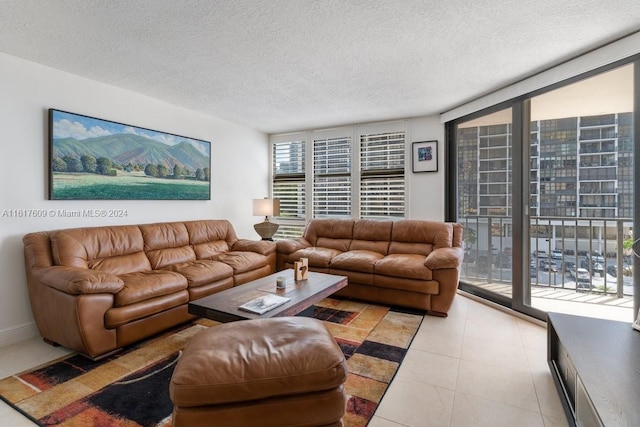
x=420 y=237
x=458 y=237
x=330 y=233
x=371 y=235
x=116 y=250
x=211 y=237
x=166 y=244
x=37 y=249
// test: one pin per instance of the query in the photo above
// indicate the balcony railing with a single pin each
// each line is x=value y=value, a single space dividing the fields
x=583 y=255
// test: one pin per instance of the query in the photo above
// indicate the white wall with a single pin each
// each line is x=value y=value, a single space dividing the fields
x=27 y=91
x=426 y=189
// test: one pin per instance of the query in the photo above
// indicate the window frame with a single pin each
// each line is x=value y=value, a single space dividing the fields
x=520 y=105
x=354 y=132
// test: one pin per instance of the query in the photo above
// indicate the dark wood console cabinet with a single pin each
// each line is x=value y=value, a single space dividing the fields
x=595 y=364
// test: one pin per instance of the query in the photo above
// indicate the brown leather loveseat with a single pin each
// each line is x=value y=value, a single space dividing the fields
x=411 y=263
x=96 y=290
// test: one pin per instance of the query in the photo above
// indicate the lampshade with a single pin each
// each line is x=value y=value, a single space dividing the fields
x=266 y=207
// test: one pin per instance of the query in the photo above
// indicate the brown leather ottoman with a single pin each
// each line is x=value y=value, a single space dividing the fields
x=285 y=371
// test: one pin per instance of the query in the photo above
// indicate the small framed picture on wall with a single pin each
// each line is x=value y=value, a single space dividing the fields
x=425 y=156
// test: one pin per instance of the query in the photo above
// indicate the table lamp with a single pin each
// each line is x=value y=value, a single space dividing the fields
x=266 y=207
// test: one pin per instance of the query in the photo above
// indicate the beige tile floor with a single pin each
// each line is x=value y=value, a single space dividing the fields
x=479 y=367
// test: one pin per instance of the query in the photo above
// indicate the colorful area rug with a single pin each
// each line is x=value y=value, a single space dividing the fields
x=132 y=388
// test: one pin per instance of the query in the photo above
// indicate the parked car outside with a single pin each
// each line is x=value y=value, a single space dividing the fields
x=595 y=256
x=539 y=254
x=556 y=254
x=567 y=266
x=548 y=265
x=533 y=268
x=612 y=270
x=593 y=267
x=584 y=285
x=582 y=278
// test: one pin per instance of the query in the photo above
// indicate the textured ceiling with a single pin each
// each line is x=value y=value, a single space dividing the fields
x=285 y=65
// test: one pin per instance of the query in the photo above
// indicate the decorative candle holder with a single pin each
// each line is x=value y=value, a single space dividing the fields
x=301 y=269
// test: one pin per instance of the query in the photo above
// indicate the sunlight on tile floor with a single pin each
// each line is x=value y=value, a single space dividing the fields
x=478 y=367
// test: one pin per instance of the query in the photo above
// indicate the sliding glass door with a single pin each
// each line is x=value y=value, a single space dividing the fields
x=544 y=185
x=581 y=201
x=484 y=146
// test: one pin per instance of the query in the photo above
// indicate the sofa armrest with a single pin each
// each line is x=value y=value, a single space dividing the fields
x=290 y=246
x=76 y=281
x=444 y=258
x=263 y=247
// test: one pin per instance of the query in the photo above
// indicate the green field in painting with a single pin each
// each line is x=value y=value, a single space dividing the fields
x=126 y=186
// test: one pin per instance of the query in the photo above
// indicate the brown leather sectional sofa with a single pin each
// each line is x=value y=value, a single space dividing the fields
x=411 y=263
x=96 y=290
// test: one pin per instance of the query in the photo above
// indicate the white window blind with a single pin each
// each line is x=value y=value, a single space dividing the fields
x=289 y=178
x=332 y=177
x=382 y=181
x=350 y=172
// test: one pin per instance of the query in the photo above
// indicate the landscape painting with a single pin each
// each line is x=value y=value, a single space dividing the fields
x=94 y=159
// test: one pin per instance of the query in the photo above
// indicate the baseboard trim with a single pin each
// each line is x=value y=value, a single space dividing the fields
x=18 y=334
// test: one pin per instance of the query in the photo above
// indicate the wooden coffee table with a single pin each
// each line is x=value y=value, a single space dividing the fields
x=223 y=306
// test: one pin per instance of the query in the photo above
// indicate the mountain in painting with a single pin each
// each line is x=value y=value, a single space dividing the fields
x=132 y=149
x=189 y=155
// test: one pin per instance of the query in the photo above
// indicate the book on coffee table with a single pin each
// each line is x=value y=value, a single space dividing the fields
x=264 y=303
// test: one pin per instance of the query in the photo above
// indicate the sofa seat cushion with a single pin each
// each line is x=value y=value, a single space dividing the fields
x=318 y=256
x=429 y=287
x=242 y=262
x=409 y=266
x=148 y=284
x=202 y=271
x=354 y=276
x=120 y=316
x=359 y=260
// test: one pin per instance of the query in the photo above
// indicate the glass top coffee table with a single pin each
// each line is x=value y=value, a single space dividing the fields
x=223 y=306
